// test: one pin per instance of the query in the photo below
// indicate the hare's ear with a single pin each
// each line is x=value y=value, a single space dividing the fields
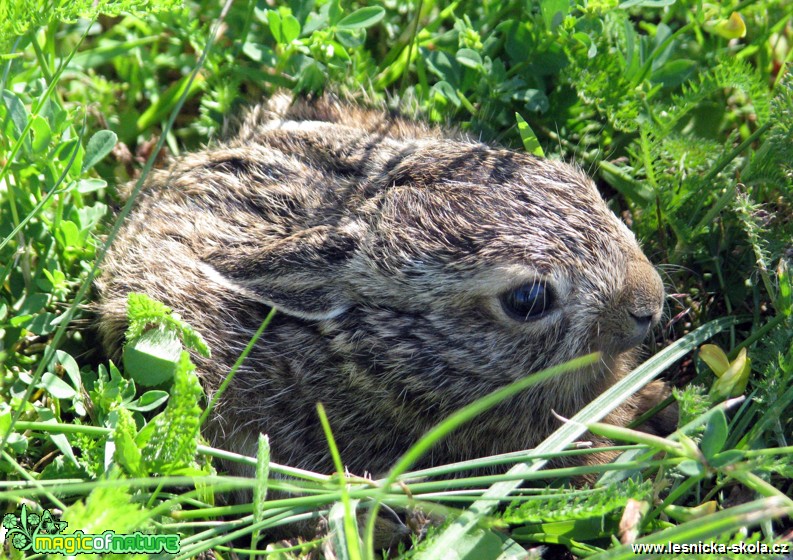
x=300 y=275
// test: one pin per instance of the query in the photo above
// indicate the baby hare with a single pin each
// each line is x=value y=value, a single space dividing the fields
x=413 y=271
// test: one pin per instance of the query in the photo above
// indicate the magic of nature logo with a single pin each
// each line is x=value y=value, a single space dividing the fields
x=41 y=534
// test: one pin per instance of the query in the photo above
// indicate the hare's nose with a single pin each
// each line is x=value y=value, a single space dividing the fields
x=643 y=321
x=641 y=303
x=643 y=293
x=642 y=325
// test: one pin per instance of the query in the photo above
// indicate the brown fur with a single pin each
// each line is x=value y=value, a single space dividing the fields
x=385 y=246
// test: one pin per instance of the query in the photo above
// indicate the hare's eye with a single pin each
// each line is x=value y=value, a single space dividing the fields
x=528 y=302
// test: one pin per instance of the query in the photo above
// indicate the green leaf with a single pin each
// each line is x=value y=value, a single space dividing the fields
x=89 y=217
x=726 y=458
x=711 y=528
x=344 y=530
x=364 y=17
x=260 y=53
x=635 y=191
x=42 y=134
x=68 y=235
x=674 y=72
x=534 y=99
x=148 y=401
x=690 y=467
x=98 y=147
x=446 y=91
x=142 y=312
x=108 y=51
x=127 y=453
x=443 y=65
x=70 y=367
x=16 y=110
x=71 y=151
x=620 y=433
x=33 y=303
x=17 y=442
x=160 y=109
x=715 y=435
x=85 y=186
x=351 y=39
x=152 y=358
x=262 y=476
x=556 y=510
x=19 y=320
x=334 y=11
x=587 y=42
x=340 y=59
x=170 y=440
x=553 y=12
x=107 y=508
x=579 y=529
x=274 y=22
x=469 y=57
x=530 y=142
x=482 y=543
x=42 y=324
x=53 y=280
x=683 y=514
x=5 y=418
x=60 y=440
x=312 y=77
x=56 y=387
x=290 y=28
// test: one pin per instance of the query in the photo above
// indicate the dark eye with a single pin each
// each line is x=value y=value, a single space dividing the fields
x=528 y=302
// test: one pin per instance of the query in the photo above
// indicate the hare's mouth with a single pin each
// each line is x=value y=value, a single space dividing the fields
x=611 y=366
x=620 y=335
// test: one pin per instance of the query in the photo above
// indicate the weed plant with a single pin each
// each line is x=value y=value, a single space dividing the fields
x=681 y=110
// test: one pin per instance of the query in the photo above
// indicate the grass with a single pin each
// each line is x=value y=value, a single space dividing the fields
x=681 y=111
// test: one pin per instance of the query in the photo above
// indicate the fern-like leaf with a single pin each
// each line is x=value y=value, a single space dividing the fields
x=170 y=440
x=145 y=313
x=576 y=504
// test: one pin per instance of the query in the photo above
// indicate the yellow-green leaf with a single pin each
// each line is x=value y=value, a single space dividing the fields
x=730 y=28
x=683 y=514
x=733 y=382
x=715 y=358
x=530 y=142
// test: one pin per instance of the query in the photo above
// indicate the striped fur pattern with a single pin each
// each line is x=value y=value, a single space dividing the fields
x=387 y=247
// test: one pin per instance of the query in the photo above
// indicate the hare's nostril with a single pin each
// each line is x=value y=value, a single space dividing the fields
x=643 y=325
x=642 y=321
x=643 y=293
x=636 y=330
